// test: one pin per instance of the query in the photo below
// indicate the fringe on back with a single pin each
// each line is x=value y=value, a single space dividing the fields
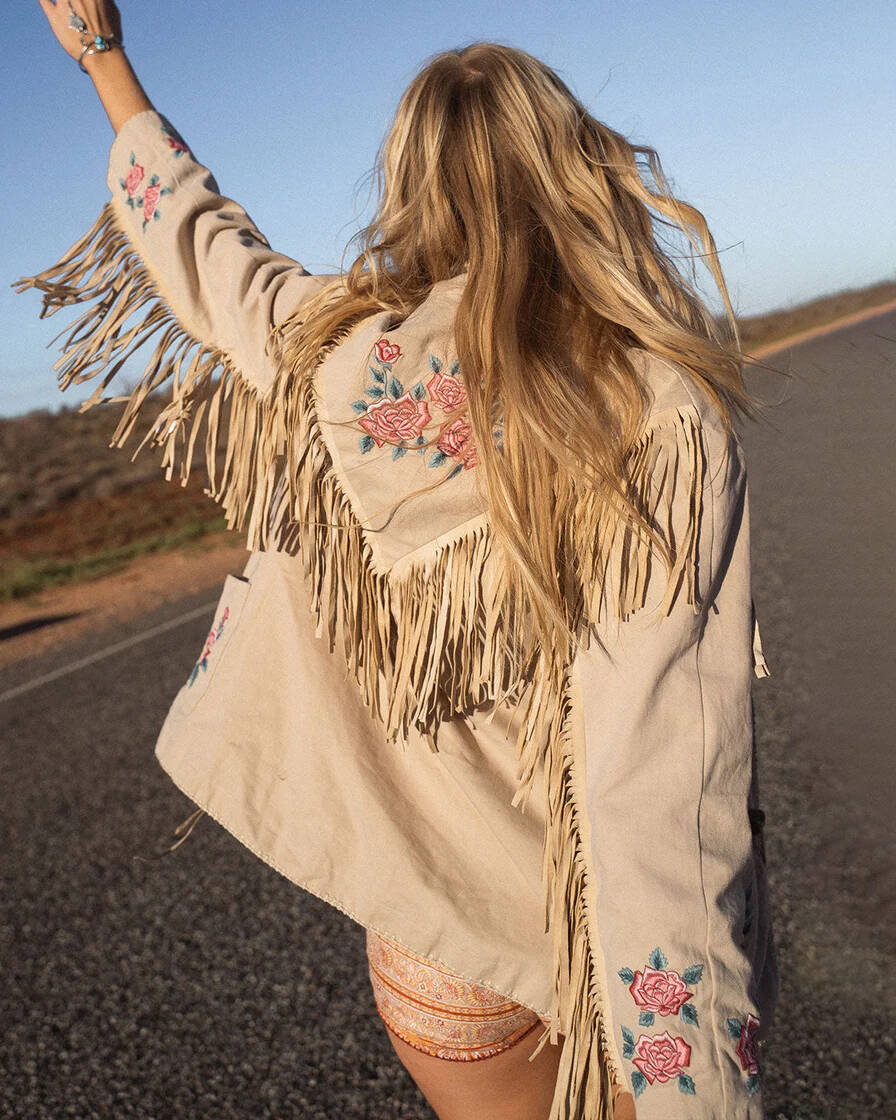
x=440 y=639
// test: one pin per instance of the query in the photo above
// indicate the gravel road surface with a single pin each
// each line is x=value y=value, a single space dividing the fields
x=205 y=986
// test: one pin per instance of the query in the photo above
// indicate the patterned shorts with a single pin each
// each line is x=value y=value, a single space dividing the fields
x=440 y=1013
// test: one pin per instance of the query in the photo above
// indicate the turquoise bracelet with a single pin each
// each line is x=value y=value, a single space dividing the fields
x=97 y=43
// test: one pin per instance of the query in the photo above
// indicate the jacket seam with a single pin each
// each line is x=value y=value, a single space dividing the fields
x=713 y=1001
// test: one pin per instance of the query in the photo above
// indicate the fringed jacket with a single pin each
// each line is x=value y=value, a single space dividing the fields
x=581 y=833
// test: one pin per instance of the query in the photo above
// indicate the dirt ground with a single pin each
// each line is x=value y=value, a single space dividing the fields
x=135 y=589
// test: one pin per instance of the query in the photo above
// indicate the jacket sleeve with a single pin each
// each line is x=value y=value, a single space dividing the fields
x=666 y=733
x=171 y=260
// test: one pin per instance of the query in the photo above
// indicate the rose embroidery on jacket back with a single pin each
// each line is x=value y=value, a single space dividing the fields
x=422 y=418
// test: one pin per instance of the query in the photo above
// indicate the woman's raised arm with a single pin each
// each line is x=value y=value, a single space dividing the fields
x=169 y=256
x=110 y=70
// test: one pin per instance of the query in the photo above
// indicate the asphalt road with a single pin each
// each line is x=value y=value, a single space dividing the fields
x=207 y=986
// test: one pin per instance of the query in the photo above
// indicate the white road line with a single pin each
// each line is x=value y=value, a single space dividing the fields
x=107 y=652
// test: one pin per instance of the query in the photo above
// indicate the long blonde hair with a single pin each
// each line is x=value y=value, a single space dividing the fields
x=493 y=167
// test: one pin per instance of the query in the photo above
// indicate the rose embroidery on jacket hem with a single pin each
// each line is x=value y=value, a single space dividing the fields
x=660 y=990
x=747 y=1048
x=148 y=201
x=213 y=636
x=400 y=416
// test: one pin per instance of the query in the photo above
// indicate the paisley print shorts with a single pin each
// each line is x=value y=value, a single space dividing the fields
x=440 y=1013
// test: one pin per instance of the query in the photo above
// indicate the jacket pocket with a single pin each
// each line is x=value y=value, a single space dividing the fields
x=226 y=619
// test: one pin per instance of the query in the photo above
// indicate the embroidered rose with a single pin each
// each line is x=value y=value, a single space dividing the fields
x=446 y=392
x=661 y=990
x=177 y=145
x=660 y=1057
x=395 y=420
x=213 y=636
x=457 y=441
x=150 y=201
x=387 y=351
x=133 y=180
x=747 y=1045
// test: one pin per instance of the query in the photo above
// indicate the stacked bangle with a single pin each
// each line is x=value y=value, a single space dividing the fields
x=97 y=44
x=91 y=43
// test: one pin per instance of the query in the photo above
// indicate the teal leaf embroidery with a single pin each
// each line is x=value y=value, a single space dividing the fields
x=686 y=1084
x=404 y=419
x=753 y=1084
x=692 y=974
x=689 y=1013
x=627 y=975
x=733 y=1027
x=645 y=1019
x=657 y=960
x=639 y=1082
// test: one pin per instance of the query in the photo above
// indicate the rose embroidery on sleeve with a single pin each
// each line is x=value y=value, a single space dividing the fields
x=747 y=1047
x=148 y=202
x=418 y=418
x=134 y=178
x=175 y=140
x=658 y=1057
x=657 y=989
x=660 y=990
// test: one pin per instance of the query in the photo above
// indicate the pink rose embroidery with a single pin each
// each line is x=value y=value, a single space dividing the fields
x=387 y=351
x=133 y=180
x=457 y=441
x=661 y=1057
x=401 y=419
x=213 y=636
x=150 y=201
x=747 y=1045
x=661 y=990
x=446 y=392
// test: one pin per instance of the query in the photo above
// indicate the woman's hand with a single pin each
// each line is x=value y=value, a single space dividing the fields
x=115 y=81
x=102 y=17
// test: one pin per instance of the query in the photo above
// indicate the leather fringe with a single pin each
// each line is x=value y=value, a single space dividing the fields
x=436 y=640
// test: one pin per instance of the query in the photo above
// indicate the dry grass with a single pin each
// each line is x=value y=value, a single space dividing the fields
x=71 y=507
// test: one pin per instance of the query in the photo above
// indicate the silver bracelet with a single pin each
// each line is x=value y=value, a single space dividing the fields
x=91 y=43
x=95 y=48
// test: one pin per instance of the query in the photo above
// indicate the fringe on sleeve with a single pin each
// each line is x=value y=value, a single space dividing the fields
x=126 y=309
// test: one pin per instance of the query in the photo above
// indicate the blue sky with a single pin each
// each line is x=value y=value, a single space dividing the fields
x=774 y=119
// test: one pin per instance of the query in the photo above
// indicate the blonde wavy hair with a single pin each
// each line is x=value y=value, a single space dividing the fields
x=494 y=168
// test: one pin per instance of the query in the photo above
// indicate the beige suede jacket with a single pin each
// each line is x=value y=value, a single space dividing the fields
x=579 y=833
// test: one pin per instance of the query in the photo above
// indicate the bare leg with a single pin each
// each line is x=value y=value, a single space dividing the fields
x=504 y=1087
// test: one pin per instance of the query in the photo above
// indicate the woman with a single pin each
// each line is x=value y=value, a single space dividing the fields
x=494 y=465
